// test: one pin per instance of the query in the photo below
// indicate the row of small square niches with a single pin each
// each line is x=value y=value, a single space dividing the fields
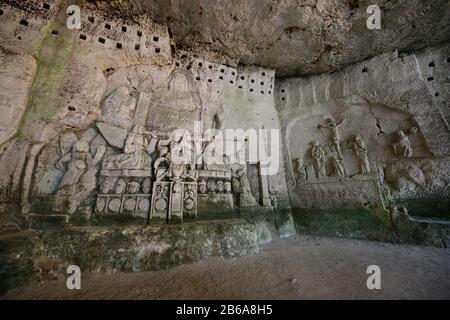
x=44 y=6
x=27 y=25
x=256 y=81
x=119 y=33
x=112 y=44
x=119 y=36
x=430 y=78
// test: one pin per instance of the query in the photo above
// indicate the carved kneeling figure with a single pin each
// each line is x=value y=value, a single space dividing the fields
x=403 y=146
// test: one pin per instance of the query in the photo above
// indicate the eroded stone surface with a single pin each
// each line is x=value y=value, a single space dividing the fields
x=16 y=76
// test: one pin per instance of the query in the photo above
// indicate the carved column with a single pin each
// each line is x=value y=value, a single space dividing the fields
x=264 y=187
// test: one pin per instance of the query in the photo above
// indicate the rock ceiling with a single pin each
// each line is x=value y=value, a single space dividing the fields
x=295 y=37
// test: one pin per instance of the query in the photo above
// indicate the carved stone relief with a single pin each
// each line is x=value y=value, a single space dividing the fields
x=360 y=150
x=402 y=147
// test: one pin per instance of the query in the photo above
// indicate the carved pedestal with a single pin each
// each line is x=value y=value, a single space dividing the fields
x=160 y=201
x=172 y=201
x=190 y=199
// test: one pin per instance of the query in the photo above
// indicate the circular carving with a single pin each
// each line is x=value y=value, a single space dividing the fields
x=144 y=205
x=101 y=203
x=129 y=204
x=160 y=205
x=189 y=204
x=114 y=205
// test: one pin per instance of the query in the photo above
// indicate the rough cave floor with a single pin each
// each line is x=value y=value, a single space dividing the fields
x=304 y=267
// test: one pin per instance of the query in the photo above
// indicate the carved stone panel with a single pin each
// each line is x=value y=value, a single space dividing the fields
x=160 y=200
x=190 y=199
x=176 y=202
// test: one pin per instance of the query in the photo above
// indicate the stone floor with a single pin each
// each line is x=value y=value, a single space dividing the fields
x=298 y=268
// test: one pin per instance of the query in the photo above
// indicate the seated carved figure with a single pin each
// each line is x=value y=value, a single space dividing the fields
x=77 y=163
x=134 y=156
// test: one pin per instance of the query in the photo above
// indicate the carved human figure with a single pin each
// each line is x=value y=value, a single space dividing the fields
x=106 y=186
x=227 y=187
x=360 y=150
x=385 y=192
x=133 y=187
x=190 y=174
x=80 y=177
x=212 y=187
x=88 y=180
x=318 y=156
x=77 y=162
x=403 y=146
x=134 y=155
x=220 y=186
x=236 y=186
x=202 y=186
x=246 y=198
x=301 y=170
x=120 y=186
x=335 y=138
x=180 y=147
x=209 y=154
x=179 y=156
x=338 y=167
x=146 y=186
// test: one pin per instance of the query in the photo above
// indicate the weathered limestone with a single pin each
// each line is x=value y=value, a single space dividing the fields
x=16 y=76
